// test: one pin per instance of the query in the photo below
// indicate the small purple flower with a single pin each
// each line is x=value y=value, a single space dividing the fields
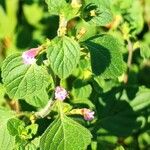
x=29 y=56
x=60 y=93
x=88 y=114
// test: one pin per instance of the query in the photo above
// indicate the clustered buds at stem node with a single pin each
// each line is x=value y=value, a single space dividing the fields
x=29 y=55
x=88 y=114
x=62 y=26
x=60 y=93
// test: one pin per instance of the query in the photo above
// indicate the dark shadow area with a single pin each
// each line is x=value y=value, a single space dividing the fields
x=43 y=125
x=132 y=86
x=116 y=115
x=2 y=3
x=100 y=56
x=25 y=106
x=144 y=76
x=23 y=29
x=30 y=2
x=24 y=37
x=78 y=83
x=143 y=32
x=51 y=24
x=87 y=9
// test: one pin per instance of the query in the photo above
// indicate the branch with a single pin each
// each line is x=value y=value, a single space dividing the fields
x=129 y=61
x=45 y=111
x=130 y=50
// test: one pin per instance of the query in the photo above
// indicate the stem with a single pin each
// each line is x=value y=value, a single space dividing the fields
x=62 y=26
x=130 y=49
x=17 y=106
x=45 y=111
x=129 y=61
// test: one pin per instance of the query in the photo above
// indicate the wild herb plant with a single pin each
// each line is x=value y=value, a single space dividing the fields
x=81 y=87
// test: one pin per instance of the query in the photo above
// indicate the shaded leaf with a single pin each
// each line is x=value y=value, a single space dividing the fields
x=106 y=57
x=101 y=15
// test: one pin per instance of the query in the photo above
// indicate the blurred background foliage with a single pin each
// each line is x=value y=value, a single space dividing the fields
x=123 y=109
x=24 y=24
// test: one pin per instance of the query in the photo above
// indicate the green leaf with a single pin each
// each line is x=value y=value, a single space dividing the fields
x=62 y=7
x=142 y=99
x=56 y=7
x=119 y=148
x=135 y=17
x=145 y=50
x=83 y=102
x=106 y=140
x=101 y=85
x=13 y=125
x=147 y=11
x=2 y=94
x=7 y=26
x=33 y=9
x=6 y=140
x=89 y=29
x=106 y=57
x=101 y=13
x=144 y=140
x=63 y=54
x=65 y=134
x=22 y=80
x=117 y=116
x=81 y=90
x=121 y=116
x=38 y=100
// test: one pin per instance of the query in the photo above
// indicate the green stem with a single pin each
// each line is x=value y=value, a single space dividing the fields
x=129 y=61
x=62 y=26
x=46 y=110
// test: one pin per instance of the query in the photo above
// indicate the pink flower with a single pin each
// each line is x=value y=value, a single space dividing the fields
x=88 y=114
x=29 y=56
x=60 y=93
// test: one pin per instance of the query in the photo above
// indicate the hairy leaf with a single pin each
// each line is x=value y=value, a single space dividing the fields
x=65 y=134
x=63 y=54
x=106 y=57
x=97 y=12
x=22 y=80
x=81 y=90
x=38 y=100
x=62 y=7
x=7 y=141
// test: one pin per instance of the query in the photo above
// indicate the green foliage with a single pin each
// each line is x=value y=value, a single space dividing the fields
x=63 y=54
x=106 y=58
x=64 y=133
x=62 y=7
x=89 y=86
x=28 y=79
x=7 y=141
x=97 y=12
x=56 y=7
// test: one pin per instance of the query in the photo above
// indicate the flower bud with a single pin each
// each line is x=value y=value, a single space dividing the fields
x=60 y=93
x=88 y=114
x=29 y=55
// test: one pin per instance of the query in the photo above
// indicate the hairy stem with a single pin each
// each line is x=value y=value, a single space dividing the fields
x=62 y=26
x=129 y=61
x=44 y=111
x=130 y=50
